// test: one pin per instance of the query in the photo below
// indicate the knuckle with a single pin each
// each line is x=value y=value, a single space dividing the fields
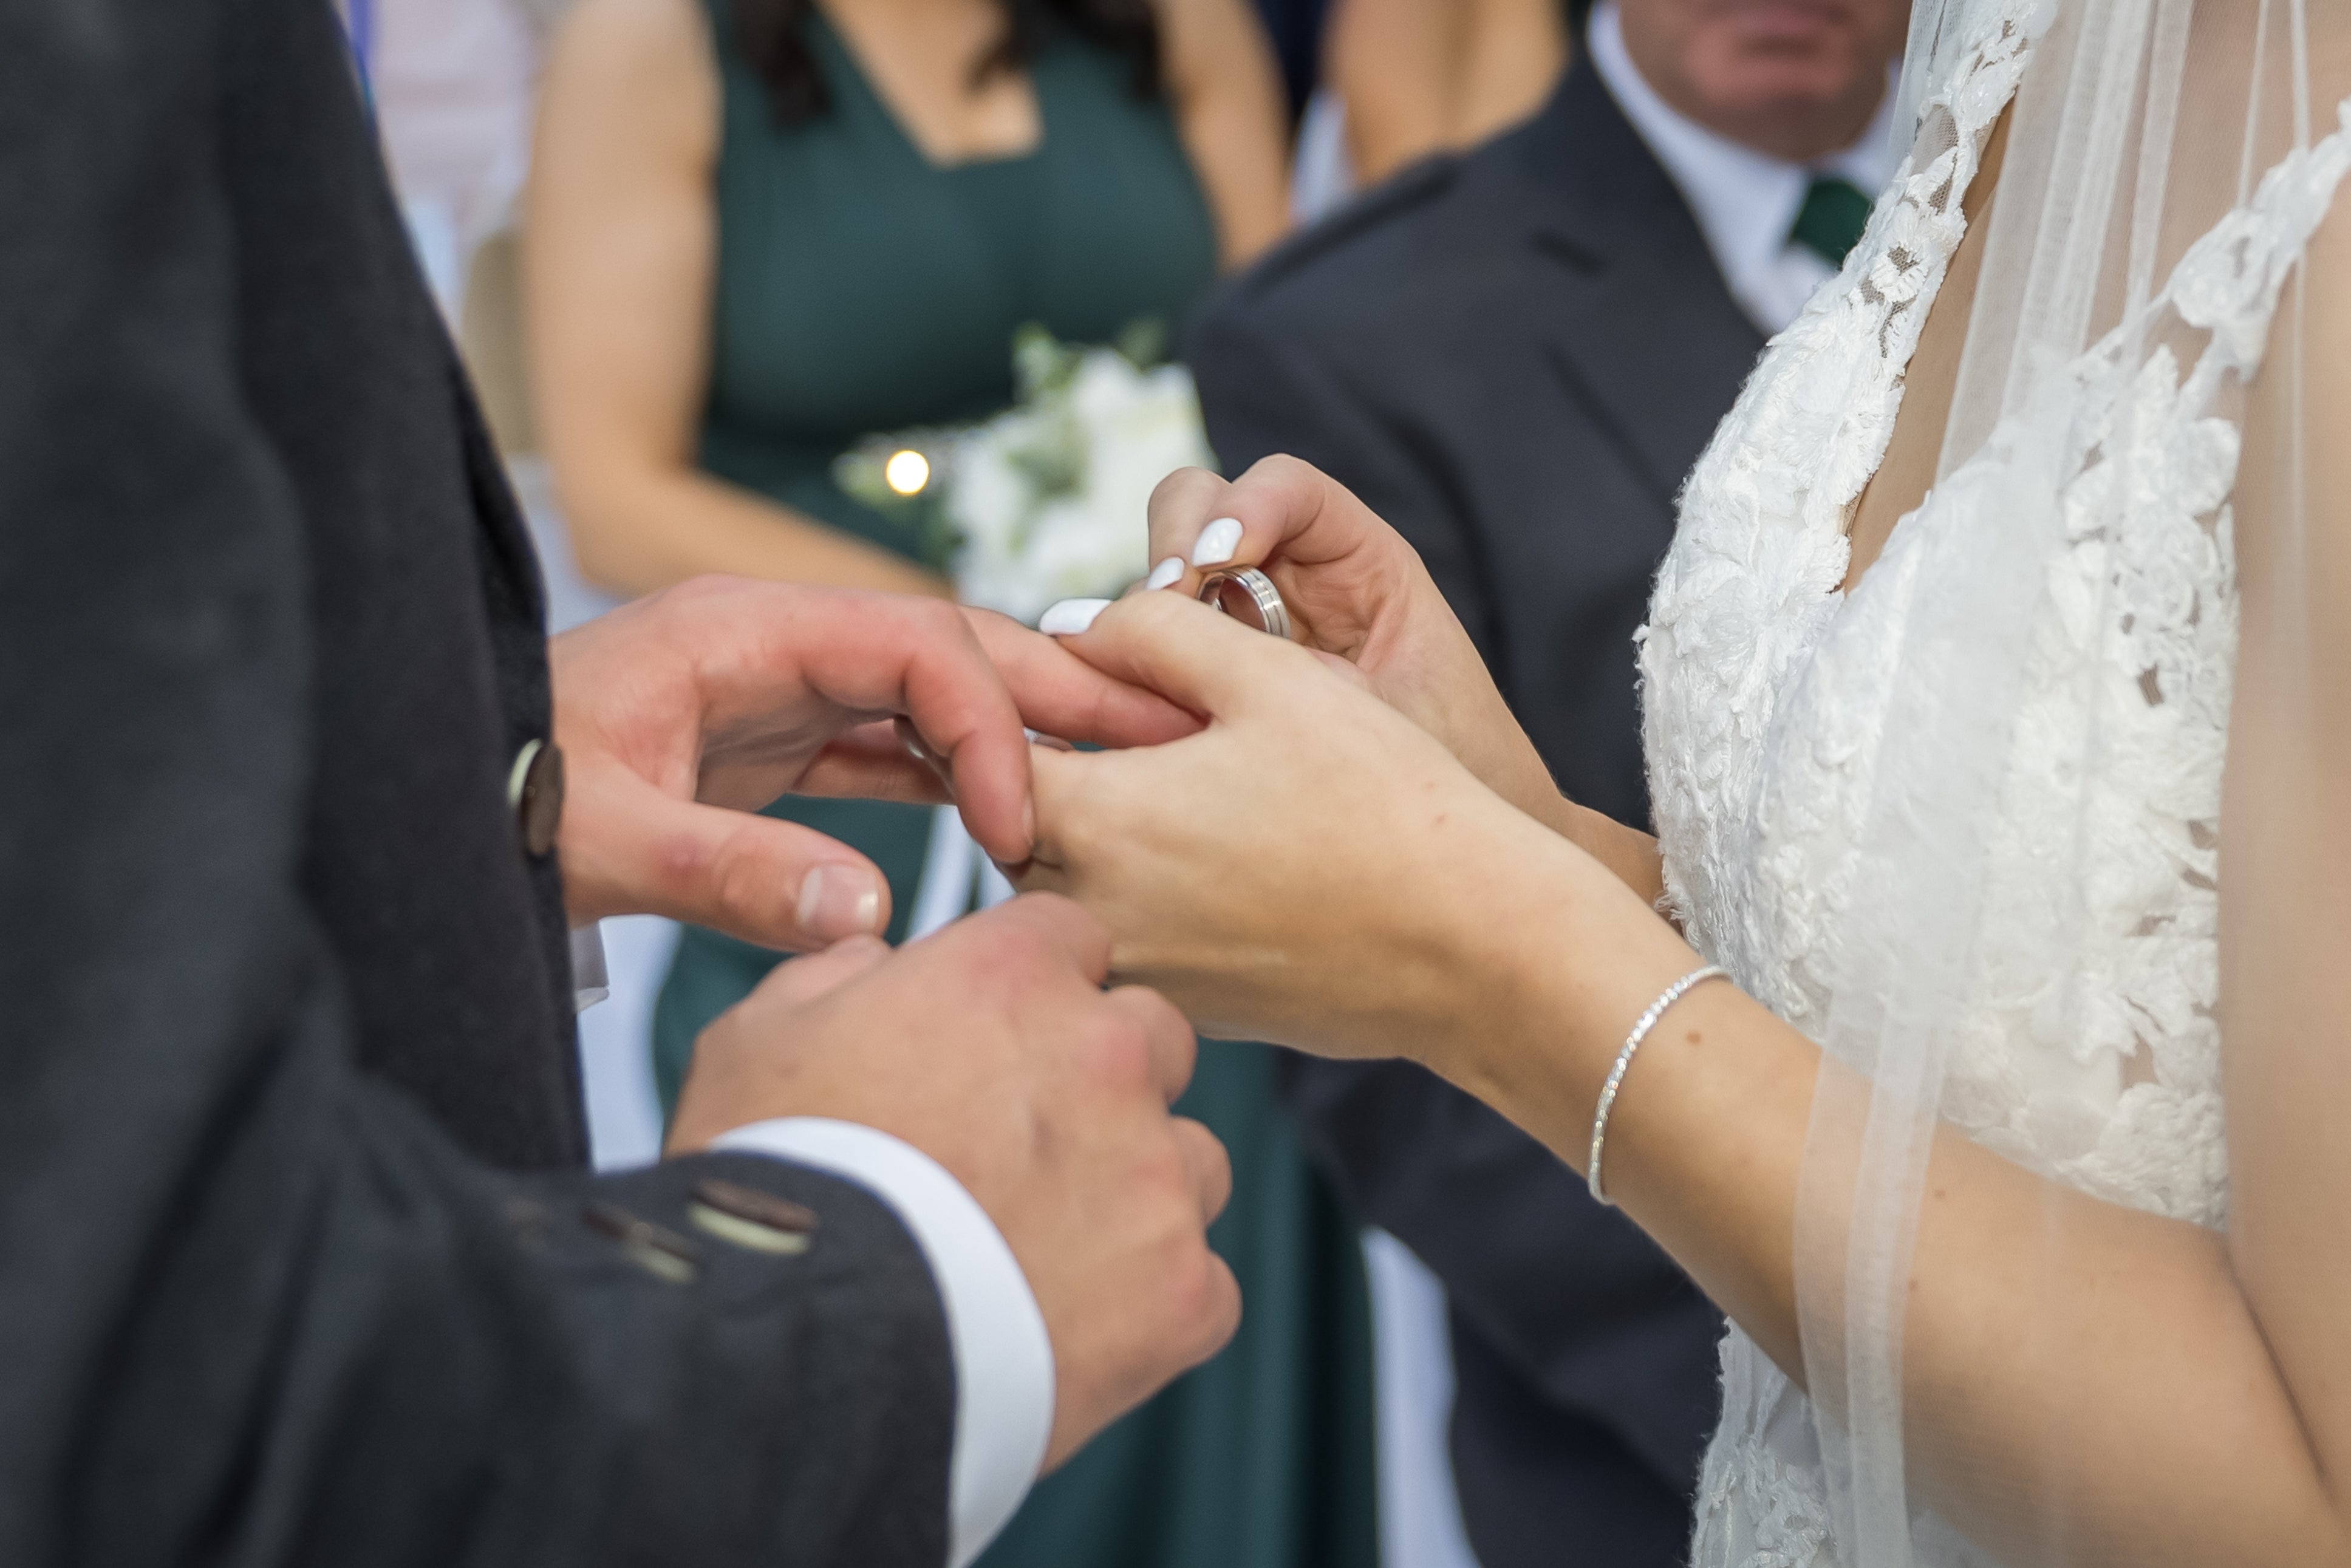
x=938 y=618
x=1204 y=1296
x=1040 y=906
x=1179 y=484
x=1152 y=612
x=1154 y=1011
x=1215 y=1161
x=696 y=594
x=1283 y=469
x=1121 y=1059
x=1062 y=925
x=1004 y=952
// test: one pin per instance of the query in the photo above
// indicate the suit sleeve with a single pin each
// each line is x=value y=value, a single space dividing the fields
x=1573 y=1296
x=258 y=1308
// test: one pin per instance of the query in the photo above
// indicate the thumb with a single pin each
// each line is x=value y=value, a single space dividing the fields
x=775 y=883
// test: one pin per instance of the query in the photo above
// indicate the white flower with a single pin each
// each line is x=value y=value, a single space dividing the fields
x=1050 y=499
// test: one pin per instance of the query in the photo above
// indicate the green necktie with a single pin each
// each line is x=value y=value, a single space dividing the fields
x=1834 y=213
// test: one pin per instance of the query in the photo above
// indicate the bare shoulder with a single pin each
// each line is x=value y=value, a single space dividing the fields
x=647 y=65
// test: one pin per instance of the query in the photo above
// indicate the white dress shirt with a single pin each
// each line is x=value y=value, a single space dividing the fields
x=1003 y=1358
x=1745 y=202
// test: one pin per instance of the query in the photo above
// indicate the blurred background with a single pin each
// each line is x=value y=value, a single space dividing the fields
x=922 y=296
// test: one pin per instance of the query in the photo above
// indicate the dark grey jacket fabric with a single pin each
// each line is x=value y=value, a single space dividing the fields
x=298 y=1264
x=1514 y=356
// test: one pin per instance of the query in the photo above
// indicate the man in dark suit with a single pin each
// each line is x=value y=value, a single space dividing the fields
x=1514 y=356
x=299 y=1262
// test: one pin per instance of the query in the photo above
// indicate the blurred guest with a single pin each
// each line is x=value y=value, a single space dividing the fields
x=1587 y=294
x=760 y=231
x=450 y=81
x=1405 y=78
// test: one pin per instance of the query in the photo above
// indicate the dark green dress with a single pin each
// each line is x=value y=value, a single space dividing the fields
x=861 y=288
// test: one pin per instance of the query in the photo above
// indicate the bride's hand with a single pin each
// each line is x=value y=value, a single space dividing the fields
x=1354 y=590
x=1311 y=868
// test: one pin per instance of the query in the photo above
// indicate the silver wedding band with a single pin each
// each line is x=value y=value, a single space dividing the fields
x=1248 y=596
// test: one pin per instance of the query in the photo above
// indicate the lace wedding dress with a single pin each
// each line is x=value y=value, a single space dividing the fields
x=1767 y=688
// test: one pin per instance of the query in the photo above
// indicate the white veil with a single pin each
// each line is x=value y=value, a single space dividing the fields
x=2142 y=333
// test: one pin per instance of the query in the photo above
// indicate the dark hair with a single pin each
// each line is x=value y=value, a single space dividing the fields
x=773 y=36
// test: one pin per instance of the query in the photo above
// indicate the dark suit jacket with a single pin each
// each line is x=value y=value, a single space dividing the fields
x=1514 y=356
x=296 y=1261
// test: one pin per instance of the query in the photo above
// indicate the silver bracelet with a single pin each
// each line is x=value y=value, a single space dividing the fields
x=1641 y=1028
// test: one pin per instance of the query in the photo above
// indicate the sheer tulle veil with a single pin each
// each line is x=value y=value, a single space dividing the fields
x=2150 y=330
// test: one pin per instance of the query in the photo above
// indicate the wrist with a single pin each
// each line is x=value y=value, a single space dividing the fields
x=1562 y=957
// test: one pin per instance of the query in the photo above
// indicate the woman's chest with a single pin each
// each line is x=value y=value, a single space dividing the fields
x=2011 y=780
x=861 y=287
x=1968 y=813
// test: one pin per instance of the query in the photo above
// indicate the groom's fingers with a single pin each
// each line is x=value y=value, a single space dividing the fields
x=880 y=653
x=1173 y=1049
x=874 y=762
x=1206 y=1166
x=772 y=882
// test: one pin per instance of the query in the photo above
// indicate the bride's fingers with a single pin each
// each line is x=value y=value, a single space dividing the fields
x=1066 y=808
x=1182 y=508
x=1061 y=694
x=1283 y=511
x=1183 y=650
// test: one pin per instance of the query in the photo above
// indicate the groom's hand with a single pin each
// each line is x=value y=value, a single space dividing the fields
x=992 y=1047
x=680 y=714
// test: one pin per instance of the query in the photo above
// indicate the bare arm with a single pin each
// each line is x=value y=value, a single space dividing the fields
x=1220 y=76
x=2143 y=1392
x=1425 y=76
x=2083 y=1383
x=621 y=233
x=1361 y=596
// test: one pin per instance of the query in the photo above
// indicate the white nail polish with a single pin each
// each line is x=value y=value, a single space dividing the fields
x=1071 y=616
x=1165 y=574
x=1218 y=542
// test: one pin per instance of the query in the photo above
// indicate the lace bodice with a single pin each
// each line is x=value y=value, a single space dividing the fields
x=1766 y=686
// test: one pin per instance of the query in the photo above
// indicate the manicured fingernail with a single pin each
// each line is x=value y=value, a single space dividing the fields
x=1071 y=616
x=1165 y=573
x=838 y=901
x=1217 y=542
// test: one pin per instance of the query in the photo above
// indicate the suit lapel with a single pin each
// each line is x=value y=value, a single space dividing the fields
x=1638 y=324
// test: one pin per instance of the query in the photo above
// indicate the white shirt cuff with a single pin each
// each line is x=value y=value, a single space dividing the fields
x=1003 y=1358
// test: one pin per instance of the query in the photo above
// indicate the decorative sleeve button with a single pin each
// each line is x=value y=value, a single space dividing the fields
x=750 y=1218
x=534 y=790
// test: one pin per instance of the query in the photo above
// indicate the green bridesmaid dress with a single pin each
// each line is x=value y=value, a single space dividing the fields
x=861 y=288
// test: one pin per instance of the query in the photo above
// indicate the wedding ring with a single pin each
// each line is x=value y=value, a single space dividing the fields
x=1248 y=596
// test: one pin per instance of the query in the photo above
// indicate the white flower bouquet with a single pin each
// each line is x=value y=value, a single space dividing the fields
x=1047 y=500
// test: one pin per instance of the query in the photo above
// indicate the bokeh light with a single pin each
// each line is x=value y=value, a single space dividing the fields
x=907 y=472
